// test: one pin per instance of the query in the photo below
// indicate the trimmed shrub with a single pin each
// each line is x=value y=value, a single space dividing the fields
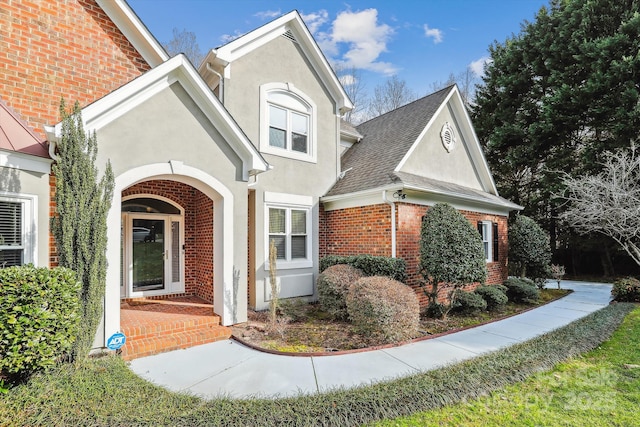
x=333 y=286
x=435 y=310
x=529 y=250
x=468 y=303
x=39 y=314
x=493 y=296
x=451 y=253
x=294 y=308
x=626 y=289
x=383 y=309
x=519 y=290
x=370 y=265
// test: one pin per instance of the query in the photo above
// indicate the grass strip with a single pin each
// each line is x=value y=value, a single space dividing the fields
x=106 y=392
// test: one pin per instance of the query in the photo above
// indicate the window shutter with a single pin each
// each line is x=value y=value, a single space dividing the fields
x=480 y=228
x=495 y=241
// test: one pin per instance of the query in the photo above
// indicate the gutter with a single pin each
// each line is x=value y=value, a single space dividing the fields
x=209 y=68
x=393 y=222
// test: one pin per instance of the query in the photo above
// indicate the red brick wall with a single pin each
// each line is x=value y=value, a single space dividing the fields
x=354 y=231
x=60 y=48
x=367 y=230
x=198 y=231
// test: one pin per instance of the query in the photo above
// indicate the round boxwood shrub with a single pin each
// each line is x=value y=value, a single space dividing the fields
x=383 y=310
x=626 y=289
x=494 y=297
x=333 y=286
x=39 y=314
x=468 y=303
x=519 y=290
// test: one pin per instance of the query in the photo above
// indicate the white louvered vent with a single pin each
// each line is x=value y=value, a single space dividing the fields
x=289 y=35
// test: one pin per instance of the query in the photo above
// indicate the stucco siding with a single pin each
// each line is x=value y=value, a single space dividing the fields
x=282 y=61
x=431 y=159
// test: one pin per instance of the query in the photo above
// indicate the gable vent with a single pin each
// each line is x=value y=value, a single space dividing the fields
x=289 y=35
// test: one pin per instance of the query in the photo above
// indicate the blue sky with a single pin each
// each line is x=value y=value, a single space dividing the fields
x=422 y=42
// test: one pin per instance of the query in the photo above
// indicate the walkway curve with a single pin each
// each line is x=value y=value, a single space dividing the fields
x=230 y=369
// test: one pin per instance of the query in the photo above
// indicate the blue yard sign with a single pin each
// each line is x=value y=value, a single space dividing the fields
x=116 y=341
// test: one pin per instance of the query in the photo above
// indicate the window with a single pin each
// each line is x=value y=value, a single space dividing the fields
x=16 y=231
x=288 y=229
x=288 y=130
x=288 y=225
x=287 y=122
x=489 y=232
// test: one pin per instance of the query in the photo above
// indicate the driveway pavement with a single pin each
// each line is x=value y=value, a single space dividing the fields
x=227 y=368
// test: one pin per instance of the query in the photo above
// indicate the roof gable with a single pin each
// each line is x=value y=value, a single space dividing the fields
x=291 y=26
x=177 y=69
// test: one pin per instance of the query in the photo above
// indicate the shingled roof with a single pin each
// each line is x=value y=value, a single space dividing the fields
x=386 y=139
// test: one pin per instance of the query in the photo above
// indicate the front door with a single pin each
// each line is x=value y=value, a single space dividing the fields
x=153 y=256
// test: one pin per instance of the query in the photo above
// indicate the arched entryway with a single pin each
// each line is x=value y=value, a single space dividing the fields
x=195 y=213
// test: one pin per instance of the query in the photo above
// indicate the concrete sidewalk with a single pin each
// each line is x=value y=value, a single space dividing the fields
x=230 y=369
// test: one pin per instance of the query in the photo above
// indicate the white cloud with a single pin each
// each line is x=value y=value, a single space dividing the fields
x=433 y=33
x=478 y=65
x=315 y=20
x=228 y=38
x=348 y=80
x=365 y=38
x=268 y=14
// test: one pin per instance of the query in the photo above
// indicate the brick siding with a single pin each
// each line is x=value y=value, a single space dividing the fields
x=198 y=231
x=61 y=48
x=367 y=230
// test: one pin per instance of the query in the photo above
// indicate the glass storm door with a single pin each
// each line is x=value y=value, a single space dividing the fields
x=152 y=255
x=149 y=255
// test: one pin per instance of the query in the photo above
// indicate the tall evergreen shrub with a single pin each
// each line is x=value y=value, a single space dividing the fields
x=83 y=199
x=529 y=249
x=451 y=253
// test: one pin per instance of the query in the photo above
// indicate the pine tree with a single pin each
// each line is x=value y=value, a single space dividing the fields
x=82 y=202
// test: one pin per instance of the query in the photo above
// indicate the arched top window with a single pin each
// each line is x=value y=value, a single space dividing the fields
x=150 y=205
x=287 y=122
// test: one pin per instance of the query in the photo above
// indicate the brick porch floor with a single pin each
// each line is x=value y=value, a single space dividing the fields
x=155 y=326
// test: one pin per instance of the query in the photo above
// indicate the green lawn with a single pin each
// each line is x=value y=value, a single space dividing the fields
x=600 y=388
x=593 y=389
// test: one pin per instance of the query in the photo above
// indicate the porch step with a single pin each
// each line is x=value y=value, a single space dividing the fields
x=153 y=327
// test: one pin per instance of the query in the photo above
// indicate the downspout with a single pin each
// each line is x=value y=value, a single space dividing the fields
x=221 y=96
x=393 y=222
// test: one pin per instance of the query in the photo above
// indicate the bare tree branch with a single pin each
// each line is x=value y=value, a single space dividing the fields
x=184 y=42
x=608 y=203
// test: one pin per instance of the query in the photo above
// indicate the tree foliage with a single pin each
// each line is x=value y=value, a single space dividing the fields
x=609 y=202
x=82 y=202
x=451 y=252
x=529 y=250
x=556 y=96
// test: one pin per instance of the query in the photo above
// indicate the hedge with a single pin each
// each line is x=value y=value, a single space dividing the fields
x=370 y=265
x=39 y=311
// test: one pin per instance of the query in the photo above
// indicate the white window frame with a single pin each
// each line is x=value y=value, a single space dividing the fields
x=297 y=102
x=29 y=225
x=289 y=202
x=487 y=238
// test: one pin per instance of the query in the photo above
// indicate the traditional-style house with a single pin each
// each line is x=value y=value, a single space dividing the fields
x=212 y=164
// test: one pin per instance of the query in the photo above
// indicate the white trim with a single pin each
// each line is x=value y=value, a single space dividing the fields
x=289 y=202
x=155 y=196
x=467 y=137
x=26 y=162
x=288 y=199
x=260 y=36
x=297 y=95
x=177 y=69
x=134 y=30
x=29 y=223
x=416 y=196
x=488 y=225
x=223 y=239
